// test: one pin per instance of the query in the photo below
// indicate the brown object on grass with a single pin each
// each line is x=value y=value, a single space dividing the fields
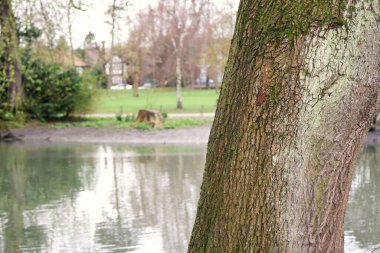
x=152 y=117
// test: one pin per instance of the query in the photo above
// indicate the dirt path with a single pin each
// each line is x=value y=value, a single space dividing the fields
x=194 y=135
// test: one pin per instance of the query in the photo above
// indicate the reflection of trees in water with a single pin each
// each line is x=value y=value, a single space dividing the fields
x=14 y=202
x=364 y=202
x=31 y=177
x=175 y=201
x=144 y=192
x=35 y=239
x=156 y=192
x=50 y=173
x=116 y=234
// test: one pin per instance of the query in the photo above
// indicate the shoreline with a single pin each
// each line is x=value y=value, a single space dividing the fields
x=112 y=135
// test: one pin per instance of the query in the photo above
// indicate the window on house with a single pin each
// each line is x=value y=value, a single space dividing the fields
x=117 y=80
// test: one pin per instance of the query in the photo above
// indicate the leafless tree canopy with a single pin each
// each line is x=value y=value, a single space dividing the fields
x=196 y=32
x=173 y=42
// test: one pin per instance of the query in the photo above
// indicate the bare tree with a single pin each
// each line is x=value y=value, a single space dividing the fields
x=134 y=47
x=177 y=39
x=183 y=20
x=49 y=16
x=113 y=11
x=70 y=6
x=146 y=47
x=218 y=34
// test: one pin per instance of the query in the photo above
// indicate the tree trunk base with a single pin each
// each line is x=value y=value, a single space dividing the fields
x=179 y=105
x=152 y=117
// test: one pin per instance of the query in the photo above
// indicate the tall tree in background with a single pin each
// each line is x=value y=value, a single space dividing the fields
x=9 y=51
x=114 y=12
x=147 y=45
x=49 y=18
x=301 y=83
x=72 y=5
x=183 y=19
x=39 y=21
x=154 y=35
x=138 y=35
x=219 y=30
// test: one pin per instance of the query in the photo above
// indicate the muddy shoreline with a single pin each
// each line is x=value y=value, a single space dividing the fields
x=109 y=135
x=191 y=135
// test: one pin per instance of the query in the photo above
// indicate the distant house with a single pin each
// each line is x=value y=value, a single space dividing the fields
x=92 y=54
x=119 y=70
x=73 y=61
x=80 y=65
x=95 y=55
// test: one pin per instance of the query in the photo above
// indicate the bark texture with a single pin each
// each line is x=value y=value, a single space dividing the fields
x=10 y=55
x=301 y=83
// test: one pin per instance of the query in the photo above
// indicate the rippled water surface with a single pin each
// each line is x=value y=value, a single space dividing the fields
x=106 y=198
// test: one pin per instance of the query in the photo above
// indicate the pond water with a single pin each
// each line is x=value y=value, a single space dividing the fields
x=113 y=198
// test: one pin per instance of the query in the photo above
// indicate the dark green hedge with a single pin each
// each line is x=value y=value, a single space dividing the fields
x=52 y=91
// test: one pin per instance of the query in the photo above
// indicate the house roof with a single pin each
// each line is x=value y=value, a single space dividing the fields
x=67 y=61
x=92 y=55
x=79 y=62
x=115 y=59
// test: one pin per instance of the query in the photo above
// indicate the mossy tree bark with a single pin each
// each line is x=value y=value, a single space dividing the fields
x=301 y=83
x=9 y=51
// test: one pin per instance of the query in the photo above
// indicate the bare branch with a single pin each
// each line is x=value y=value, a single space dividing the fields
x=79 y=6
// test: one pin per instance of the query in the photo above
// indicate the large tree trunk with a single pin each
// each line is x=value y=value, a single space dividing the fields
x=300 y=86
x=9 y=46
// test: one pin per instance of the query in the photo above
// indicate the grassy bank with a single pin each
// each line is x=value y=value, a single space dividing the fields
x=111 y=122
x=162 y=99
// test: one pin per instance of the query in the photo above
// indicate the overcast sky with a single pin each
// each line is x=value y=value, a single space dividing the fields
x=94 y=20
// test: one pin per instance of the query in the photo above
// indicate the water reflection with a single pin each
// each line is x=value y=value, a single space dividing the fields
x=101 y=198
x=362 y=224
x=98 y=198
x=29 y=178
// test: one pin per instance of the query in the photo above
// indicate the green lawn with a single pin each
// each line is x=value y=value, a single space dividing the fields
x=112 y=122
x=162 y=99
